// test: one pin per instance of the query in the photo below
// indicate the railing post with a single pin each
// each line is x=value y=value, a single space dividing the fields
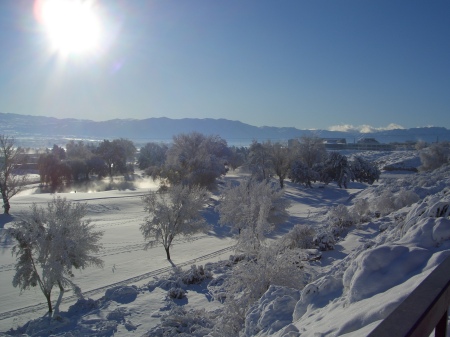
x=441 y=327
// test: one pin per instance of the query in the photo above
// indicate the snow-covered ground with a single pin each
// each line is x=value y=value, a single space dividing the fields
x=373 y=267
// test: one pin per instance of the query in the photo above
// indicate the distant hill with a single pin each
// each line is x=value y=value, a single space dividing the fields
x=31 y=128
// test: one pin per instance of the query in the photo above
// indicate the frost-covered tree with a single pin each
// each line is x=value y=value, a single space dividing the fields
x=434 y=156
x=152 y=155
x=252 y=208
x=116 y=154
x=310 y=151
x=78 y=150
x=259 y=160
x=281 y=159
x=11 y=183
x=364 y=171
x=196 y=159
x=302 y=174
x=336 y=168
x=175 y=212
x=50 y=244
x=238 y=156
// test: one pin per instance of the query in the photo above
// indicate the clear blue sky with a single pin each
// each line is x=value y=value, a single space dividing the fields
x=307 y=64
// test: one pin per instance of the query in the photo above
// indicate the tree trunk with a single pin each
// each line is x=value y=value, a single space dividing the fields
x=167 y=253
x=6 y=205
x=49 y=302
x=281 y=182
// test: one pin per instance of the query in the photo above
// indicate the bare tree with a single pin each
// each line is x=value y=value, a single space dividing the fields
x=50 y=244
x=11 y=183
x=176 y=212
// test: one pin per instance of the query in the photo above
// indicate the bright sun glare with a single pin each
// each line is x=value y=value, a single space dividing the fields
x=73 y=26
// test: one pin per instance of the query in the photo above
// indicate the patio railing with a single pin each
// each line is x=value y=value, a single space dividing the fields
x=424 y=310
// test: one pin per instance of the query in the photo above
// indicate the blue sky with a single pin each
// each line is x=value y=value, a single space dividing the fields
x=306 y=64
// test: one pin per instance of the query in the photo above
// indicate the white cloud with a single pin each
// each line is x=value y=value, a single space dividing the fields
x=363 y=128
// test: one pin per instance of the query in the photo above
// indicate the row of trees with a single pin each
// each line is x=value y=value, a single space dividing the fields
x=195 y=159
x=81 y=160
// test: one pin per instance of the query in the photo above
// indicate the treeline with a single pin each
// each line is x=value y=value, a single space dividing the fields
x=80 y=161
x=195 y=159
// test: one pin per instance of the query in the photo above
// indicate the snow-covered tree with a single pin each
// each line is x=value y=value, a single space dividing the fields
x=259 y=160
x=50 y=244
x=175 y=212
x=336 y=168
x=10 y=182
x=116 y=153
x=152 y=154
x=364 y=171
x=311 y=151
x=281 y=159
x=302 y=174
x=196 y=159
x=252 y=208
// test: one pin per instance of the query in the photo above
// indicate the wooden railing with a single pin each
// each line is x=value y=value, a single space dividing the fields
x=424 y=310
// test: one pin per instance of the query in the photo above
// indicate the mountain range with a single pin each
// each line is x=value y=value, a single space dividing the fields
x=27 y=128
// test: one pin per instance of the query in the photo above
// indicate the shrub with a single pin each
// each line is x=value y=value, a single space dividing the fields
x=300 y=236
x=324 y=241
x=340 y=217
x=176 y=293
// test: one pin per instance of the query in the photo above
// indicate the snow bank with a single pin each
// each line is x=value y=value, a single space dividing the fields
x=360 y=290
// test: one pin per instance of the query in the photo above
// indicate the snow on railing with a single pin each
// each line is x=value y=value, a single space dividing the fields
x=424 y=310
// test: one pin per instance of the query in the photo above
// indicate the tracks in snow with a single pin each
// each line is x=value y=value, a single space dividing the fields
x=153 y=273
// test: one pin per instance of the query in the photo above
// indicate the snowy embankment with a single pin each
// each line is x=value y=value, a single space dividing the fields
x=354 y=294
x=373 y=267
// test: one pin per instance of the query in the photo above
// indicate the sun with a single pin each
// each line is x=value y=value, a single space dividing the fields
x=72 y=26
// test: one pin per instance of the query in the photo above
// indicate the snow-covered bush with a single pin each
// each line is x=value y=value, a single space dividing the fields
x=384 y=203
x=434 y=156
x=360 y=211
x=176 y=293
x=388 y=201
x=272 y=312
x=250 y=279
x=180 y=278
x=405 y=198
x=300 y=236
x=340 y=217
x=181 y=322
x=324 y=240
x=196 y=275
